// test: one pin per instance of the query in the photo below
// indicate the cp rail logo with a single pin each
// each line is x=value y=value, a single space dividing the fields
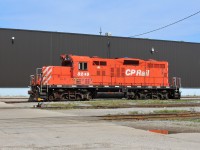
x=133 y=72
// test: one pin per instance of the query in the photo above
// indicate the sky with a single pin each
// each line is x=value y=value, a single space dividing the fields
x=122 y=18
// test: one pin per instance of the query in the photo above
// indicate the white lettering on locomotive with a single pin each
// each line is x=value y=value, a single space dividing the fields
x=83 y=74
x=131 y=72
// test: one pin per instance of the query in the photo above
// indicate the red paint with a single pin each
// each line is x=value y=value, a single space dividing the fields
x=102 y=71
x=160 y=131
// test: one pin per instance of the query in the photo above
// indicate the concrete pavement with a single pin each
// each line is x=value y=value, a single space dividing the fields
x=44 y=129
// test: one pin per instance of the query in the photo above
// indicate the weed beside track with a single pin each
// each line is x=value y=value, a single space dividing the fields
x=153 y=116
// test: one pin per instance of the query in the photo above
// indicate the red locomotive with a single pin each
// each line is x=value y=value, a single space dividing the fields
x=83 y=77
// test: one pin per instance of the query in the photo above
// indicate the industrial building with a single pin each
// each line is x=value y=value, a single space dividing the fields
x=22 y=51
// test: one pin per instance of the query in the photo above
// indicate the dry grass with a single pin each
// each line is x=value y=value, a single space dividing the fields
x=61 y=106
x=170 y=111
x=114 y=103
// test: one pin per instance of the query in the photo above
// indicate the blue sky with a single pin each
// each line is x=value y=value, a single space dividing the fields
x=120 y=17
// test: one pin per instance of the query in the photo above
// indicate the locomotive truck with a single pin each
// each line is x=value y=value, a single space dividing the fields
x=83 y=77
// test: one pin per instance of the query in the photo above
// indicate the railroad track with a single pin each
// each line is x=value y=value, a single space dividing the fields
x=167 y=105
x=122 y=106
x=152 y=116
x=14 y=102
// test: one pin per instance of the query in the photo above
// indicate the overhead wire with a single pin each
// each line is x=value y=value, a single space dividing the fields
x=160 y=28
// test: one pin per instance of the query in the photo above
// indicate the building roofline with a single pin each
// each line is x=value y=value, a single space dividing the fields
x=98 y=35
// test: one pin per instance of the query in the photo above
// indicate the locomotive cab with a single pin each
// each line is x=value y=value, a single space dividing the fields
x=66 y=60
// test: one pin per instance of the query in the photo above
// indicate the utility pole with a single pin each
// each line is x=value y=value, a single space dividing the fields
x=108 y=34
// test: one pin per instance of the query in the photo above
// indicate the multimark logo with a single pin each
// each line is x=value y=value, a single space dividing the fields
x=133 y=72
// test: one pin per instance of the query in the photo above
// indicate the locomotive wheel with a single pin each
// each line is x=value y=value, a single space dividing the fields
x=132 y=97
x=89 y=96
x=154 y=96
x=160 y=97
x=78 y=98
x=128 y=96
x=148 y=96
x=166 y=96
x=65 y=96
x=137 y=97
x=57 y=96
x=142 y=96
x=51 y=98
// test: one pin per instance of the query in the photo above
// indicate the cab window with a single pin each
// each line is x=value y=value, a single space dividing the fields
x=131 y=62
x=82 y=66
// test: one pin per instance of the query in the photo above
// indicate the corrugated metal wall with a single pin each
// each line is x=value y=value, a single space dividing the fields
x=33 y=49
